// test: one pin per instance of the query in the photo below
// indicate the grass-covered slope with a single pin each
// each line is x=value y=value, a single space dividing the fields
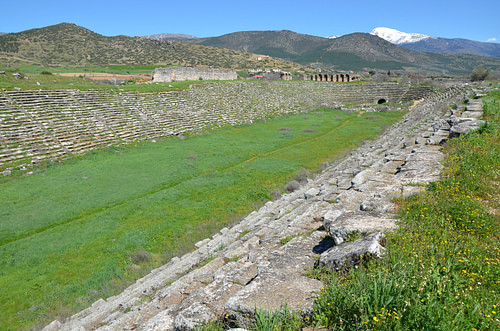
x=442 y=269
x=83 y=230
x=69 y=44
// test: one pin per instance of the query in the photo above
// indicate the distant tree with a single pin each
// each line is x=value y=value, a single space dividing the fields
x=372 y=72
x=479 y=74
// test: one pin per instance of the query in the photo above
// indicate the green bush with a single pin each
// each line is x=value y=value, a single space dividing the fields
x=479 y=73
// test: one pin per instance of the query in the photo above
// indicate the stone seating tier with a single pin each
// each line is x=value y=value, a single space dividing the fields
x=99 y=118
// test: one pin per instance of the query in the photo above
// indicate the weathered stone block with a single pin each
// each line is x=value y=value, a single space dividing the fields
x=465 y=127
x=362 y=222
x=352 y=253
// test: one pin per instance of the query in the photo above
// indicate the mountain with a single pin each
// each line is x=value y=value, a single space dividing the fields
x=2 y=33
x=398 y=37
x=356 y=51
x=456 y=46
x=72 y=45
x=422 y=43
x=167 y=36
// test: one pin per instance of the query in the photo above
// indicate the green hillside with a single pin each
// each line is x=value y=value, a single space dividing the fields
x=69 y=44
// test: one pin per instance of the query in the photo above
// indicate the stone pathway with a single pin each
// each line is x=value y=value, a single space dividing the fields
x=262 y=261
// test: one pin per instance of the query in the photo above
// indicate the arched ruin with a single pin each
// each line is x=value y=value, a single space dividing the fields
x=333 y=77
x=285 y=75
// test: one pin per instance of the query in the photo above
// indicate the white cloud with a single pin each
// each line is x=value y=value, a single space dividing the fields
x=491 y=39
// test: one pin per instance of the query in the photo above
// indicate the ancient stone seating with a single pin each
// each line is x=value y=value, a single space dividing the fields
x=249 y=266
x=38 y=125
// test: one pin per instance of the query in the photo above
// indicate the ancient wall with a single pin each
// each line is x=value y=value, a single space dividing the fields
x=165 y=75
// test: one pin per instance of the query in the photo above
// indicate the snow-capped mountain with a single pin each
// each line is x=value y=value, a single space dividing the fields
x=423 y=43
x=332 y=37
x=398 y=37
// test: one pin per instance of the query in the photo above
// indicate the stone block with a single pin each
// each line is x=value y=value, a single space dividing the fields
x=358 y=221
x=352 y=253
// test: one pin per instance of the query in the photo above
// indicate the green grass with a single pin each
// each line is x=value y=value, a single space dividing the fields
x=442 y=269
x=69 y=233
x=36 y=81
x=115 y=69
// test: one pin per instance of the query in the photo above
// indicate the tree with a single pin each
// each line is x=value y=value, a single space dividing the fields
x=479 y=73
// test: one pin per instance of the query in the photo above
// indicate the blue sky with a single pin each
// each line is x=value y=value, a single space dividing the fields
x=476 y=20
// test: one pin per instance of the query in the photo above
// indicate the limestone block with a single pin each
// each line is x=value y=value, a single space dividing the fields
x=311 y=193
x=54 y=326
x=193 y=316
x=242 y=249
x=441 y=125
x=472 y=114
x=236 y=272
x=362 y=177
x=202 y=243
x=465 y=127
x=270 y=291
x=357 y=221
x=161 y=321
x=352 y=253
x=296 y=256
x=379 y=202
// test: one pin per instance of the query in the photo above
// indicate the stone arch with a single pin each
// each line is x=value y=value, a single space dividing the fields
x=381 y=101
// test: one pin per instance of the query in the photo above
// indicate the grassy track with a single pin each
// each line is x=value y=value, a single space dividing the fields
x=70 y=234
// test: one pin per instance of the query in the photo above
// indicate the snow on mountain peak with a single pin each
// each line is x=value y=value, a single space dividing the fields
x=398 y=37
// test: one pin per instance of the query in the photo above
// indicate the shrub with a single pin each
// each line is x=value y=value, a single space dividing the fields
x=140 y=257
x=275 y=194
x=479 y=74
x=302 y=176
x=292 y=186
x=45 y=72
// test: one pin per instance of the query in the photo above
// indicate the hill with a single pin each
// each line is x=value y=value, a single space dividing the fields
x=356 y=51
x=69 y=44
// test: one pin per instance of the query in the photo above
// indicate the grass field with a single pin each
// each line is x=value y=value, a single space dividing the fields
x=115 y=69
x=76 y=232
x=36 y=80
